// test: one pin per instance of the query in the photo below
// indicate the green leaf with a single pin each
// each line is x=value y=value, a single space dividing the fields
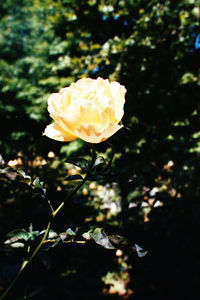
x=16 y=235
x=25 y=178
x=9 y=173
x=100 y=237
x=70 y=234
x=17 y=245
x=140 y=251
x=99 y=162
x=37 y=184
x=38 y=188
x=80 y=162
x=2 y=162
x=122 y=243
x=87 y=235
x=52 y=234
x=20 y=235
x=99 y=166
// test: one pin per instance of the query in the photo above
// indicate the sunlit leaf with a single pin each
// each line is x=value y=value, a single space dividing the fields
x=19 y=235
x=123 y=243
x=99 y=162
x=87 y=235
x=140 y=251
x=11 y=174
x=100 y=237
x=17 y=245
x=37 y=184
x=70 y=234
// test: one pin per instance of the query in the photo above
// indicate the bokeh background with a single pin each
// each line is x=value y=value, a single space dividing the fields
x=152 y=196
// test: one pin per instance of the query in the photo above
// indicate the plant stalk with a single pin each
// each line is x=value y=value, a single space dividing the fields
x=54 y=213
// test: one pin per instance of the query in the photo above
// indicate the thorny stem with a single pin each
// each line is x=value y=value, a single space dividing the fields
x=54 y=213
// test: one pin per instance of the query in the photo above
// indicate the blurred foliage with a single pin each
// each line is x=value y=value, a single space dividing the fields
x=152 y=194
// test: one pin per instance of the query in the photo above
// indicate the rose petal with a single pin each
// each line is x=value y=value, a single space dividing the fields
x=118 y=94
x=91 y=134
x=84 y=84
x=54 y=131
x=59 y=102
x=108 y=116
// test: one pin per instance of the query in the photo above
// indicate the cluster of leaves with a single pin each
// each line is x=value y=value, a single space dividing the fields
x=20 y=238
x=98 y=235
x=26 y=241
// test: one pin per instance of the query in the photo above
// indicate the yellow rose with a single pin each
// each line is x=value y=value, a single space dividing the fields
x=89 y=109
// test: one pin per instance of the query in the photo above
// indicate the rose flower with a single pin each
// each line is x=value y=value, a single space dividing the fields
x=89 y=109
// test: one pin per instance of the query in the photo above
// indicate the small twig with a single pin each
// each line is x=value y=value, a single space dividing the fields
x=65 y=242
x=51 y=207
x=74 y=242
x=49 y=241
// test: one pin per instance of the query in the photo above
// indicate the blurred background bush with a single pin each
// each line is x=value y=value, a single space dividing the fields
x=153 y=49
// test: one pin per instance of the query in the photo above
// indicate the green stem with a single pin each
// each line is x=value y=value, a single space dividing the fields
x=25 y=263
x=70 y=196
x=38 y=248
x=79 y=185
x=54 y=213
